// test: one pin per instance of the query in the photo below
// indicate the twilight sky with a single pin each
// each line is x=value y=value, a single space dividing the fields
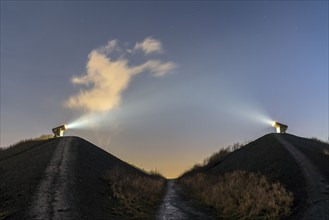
x=162 y=84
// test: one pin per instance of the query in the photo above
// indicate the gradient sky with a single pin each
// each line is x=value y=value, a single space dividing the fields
x=236 y=64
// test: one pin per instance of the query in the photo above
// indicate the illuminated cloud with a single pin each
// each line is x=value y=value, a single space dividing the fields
x=149 y=45
x=107 y=78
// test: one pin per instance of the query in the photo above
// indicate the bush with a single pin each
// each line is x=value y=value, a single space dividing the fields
x=138 y=195
x=240 y=195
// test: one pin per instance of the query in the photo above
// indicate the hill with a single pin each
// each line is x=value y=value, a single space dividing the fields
x=299 y=164
x=61 y=178
x=70 y=178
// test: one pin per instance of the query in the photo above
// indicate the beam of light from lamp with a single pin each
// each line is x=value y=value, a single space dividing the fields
x=250 y=113
x=89 y=121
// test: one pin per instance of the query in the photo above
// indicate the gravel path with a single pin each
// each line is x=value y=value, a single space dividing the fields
x=317 y=187
x=175 y=206
x=55 y=195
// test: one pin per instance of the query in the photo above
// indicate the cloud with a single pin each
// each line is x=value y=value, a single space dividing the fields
x=156 y=67
x=110 y=47
x=106 y=78
x=149 y=45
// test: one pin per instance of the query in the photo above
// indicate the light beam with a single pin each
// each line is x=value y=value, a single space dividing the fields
x=89 y=121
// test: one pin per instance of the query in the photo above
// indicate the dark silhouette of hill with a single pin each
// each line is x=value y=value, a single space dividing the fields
x=300 y=164
x=63 y=178
x=59 y=178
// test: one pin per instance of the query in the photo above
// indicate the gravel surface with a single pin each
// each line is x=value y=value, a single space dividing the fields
x=317 y=187
x=54 y=199
x=175 y=206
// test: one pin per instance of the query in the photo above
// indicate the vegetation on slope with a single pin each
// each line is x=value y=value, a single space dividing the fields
x=213 y=160
x=22 y=146
x=125 y=192
x=138 y=196
x=237 y=194
x=240 y=195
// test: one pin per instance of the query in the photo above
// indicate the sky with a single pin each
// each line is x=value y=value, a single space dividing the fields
x=162 y=85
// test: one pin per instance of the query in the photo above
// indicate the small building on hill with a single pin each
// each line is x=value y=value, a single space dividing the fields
x=280 y=128
x=59 y=131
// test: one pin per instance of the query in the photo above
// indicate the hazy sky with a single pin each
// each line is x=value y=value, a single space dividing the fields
x=165 y=83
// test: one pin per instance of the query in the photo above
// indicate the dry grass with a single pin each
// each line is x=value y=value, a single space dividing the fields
x=240 y=195
x=214 y=159
x=138 y=195
x=23 y=146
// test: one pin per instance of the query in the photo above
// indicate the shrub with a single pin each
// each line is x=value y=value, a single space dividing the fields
x=138 y=195
x=155 y=173
x=240 y=195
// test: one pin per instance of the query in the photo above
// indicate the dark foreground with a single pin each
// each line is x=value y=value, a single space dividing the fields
x=176 y=206
x=59 y=178
x=63 y=178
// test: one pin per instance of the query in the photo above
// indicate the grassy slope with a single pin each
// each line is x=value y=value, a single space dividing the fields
x=239 y=195
x=96 y=197
x=21 y=169
x=267 y=156
x=138 y=197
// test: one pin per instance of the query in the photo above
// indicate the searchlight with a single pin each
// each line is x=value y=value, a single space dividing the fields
x=59 y=131
x=280 y=128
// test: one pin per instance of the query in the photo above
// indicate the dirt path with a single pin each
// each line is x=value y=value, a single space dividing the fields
x=317 y=187
x=175 y=206
x=54 y=198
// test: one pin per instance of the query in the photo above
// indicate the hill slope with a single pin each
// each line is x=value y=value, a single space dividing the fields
x=58 y=178
x=300 y=164
x=63 y=178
